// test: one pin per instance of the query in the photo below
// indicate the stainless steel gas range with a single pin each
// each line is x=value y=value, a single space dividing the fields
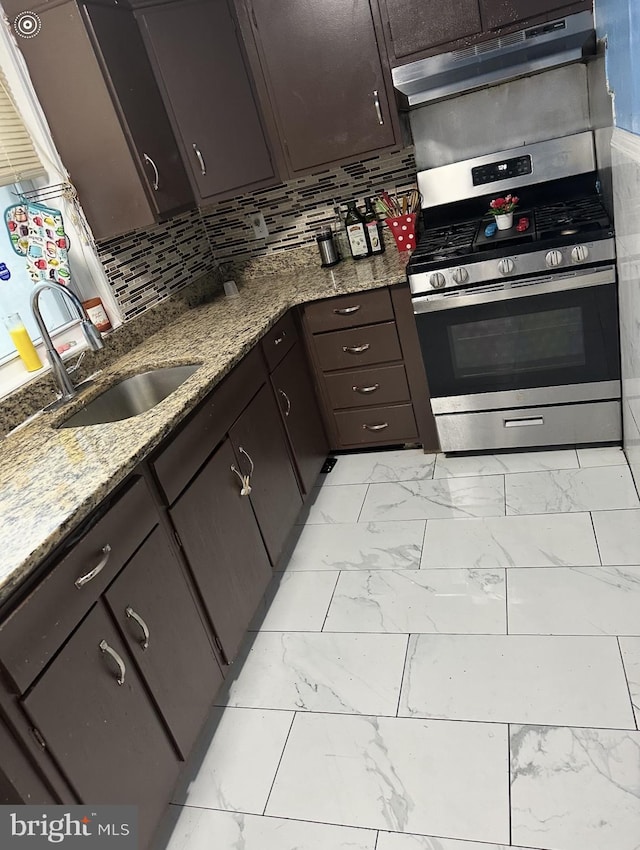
x=519 y=328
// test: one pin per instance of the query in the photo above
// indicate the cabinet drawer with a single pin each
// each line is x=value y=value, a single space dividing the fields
x=34 y=632
x=393 y=424
x=380 y=385
x=358 y=347
x=349 y=311
x=279 y=340
x=188 y=450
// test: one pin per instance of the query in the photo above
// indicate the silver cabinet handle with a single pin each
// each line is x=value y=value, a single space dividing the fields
x=366 y=390
x=288 y=400
x=109 y=650
x=356 y=349
x=280 y=338
x=379 y=427
x=131 y=614
x=347 y=311
x=376 y=103
x=245 y=480
x=102 y=563
x=198 y=153
x=156 y=177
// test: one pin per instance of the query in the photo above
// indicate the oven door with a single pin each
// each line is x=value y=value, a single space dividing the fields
x=531 y=341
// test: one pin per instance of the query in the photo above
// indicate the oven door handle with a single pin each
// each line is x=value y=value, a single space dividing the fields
x=517 y=289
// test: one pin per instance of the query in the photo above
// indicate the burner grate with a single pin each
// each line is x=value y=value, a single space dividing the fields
x=444 y=241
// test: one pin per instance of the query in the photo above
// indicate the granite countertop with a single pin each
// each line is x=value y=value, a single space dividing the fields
x=50 y=479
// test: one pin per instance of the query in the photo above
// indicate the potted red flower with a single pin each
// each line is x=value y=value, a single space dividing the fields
x=502 y=209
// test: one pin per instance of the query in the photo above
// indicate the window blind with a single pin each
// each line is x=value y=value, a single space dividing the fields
x=18 y=157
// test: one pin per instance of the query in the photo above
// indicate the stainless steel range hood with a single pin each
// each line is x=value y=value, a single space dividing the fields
x=488 y=63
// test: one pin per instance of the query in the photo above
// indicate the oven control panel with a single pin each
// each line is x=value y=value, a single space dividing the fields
x=505 y=169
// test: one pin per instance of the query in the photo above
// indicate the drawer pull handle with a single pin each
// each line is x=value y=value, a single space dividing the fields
x=288 y=400
x=132 y=615
x=366 y=390
x=280 y=338
x=245 y=480
x=85 y=579
x=522 y=423
x=356 y=349
x=108 y=650
x=379 y=427
x=347 y=311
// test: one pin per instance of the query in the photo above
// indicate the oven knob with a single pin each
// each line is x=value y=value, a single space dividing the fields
x=506 y=266
x=437 y=280
x=580 y=253
x=554 y=258
x=460 y=275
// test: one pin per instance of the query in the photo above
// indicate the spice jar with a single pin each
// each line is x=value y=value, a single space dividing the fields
x=97 y=314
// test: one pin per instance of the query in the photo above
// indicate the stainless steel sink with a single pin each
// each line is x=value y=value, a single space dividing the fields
x=131 y=396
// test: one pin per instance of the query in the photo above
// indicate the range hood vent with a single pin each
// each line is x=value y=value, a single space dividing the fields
x=489 y=63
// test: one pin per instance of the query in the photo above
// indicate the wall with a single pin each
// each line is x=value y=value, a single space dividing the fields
x=145 y=266
x=619 y=21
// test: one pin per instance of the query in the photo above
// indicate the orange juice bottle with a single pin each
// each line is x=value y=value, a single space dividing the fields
x=22 y=342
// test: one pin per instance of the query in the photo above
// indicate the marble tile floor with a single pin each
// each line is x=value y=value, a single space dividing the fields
x=449 y=659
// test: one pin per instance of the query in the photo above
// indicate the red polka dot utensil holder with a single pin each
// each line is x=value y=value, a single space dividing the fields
x=403 y=228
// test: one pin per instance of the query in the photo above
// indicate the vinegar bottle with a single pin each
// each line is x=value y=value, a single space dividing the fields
x=376 y=242
x=22 y=341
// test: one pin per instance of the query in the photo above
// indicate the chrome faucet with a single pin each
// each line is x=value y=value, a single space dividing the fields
x=91 y=333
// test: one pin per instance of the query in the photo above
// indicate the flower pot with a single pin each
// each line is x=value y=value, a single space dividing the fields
x=505 y=221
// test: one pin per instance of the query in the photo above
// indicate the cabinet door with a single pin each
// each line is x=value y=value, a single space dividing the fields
x=417 y=25
x=157 y=616
x=126 y=67
x=325 y=77
x=221 y=539
x=260 y=448
x=197 y=55
x=501 y=13
x=106 y=738
x=301 y=416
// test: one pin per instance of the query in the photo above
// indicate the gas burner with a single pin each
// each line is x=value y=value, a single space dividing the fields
x=568 y=218
x=441 y=243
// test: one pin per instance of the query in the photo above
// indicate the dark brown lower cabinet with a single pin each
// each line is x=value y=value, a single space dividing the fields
x=301 y=416
x=106 y=737
x=222 y=543
x=260 y=447
x=156 y=614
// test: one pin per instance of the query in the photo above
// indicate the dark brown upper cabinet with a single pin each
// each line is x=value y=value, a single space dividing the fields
x=201 y=70
x=325 y=77
x=96 y=86
x=502 y=13
x=417 y=25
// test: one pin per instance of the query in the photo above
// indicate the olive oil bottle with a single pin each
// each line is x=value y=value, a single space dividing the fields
x=356 y=232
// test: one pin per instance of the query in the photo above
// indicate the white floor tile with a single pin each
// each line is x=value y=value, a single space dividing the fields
x=575 y=601
x=618 y=535
x=575 y=789
x=446 y=498
x=236 y=760
x=334 y=504
x=397 y=841
x=453 y=601
x=450 y=467
x=605 y=456
x=575 y=681
x=630 y=648
x=296 y=602
x=199 y=829
x=376 y=467
x=400 y=774
x=513 y=541
x=361 y=546
x=596 y=489
x=359 y=674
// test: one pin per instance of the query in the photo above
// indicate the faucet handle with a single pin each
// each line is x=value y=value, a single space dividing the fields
x=71 y=369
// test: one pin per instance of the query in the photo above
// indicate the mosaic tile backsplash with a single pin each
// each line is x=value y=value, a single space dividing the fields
x=146 y=266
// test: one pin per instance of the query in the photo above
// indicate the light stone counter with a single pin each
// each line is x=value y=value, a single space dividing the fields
x=50 y=479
